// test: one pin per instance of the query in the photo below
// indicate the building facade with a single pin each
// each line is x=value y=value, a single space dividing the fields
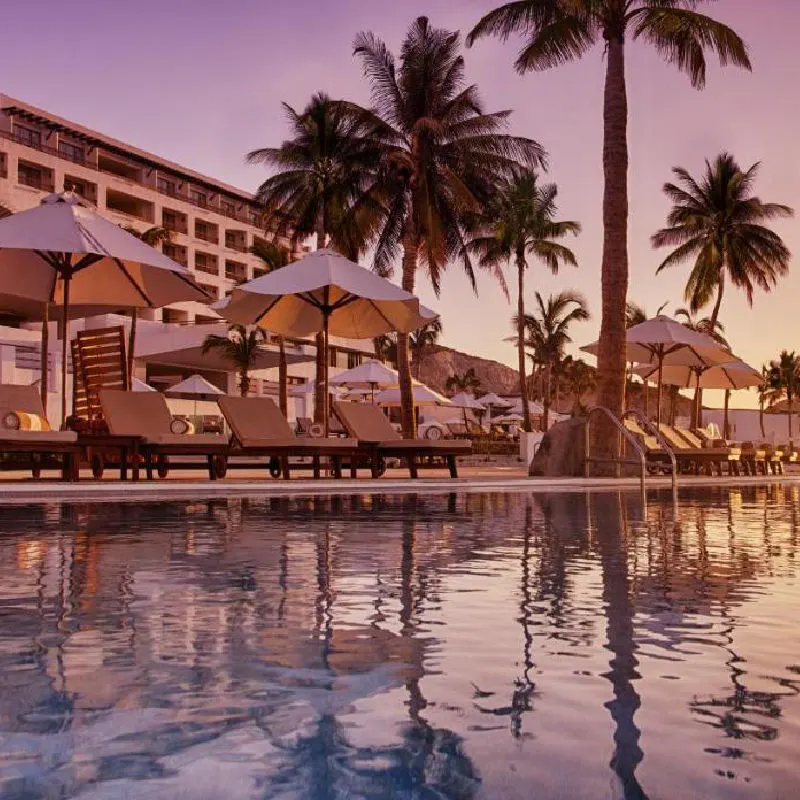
x=212 y=225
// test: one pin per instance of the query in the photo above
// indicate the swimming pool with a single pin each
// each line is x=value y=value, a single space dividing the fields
x=458 y=646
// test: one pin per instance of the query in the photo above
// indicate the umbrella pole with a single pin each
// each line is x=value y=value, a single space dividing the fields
x=660 y=383
x=64 y=335
x=326 y=400
x=45 y=363
x=131 y=346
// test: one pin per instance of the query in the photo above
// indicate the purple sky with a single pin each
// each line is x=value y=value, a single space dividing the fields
x=202 y=84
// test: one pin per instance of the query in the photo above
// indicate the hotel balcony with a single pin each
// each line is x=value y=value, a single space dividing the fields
x=206 y=231
x=236 y=271
x=206 y=262
x=86 y=189
x=177 y=253
x=211 y=290
x=129 y=205
x=119 y=168
x=174 y=221
x=236 y=240
x=35 y=176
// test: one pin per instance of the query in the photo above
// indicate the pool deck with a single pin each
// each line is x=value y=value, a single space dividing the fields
x=16 y=489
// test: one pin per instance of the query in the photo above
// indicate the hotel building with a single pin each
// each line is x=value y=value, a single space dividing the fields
x=213 y=225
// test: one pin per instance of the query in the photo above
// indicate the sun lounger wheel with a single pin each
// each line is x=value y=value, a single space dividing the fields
x=220 y=466
x=162 y=467
x=98 y=466
x=275 y=467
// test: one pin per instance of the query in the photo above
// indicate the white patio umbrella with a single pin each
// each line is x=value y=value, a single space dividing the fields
x=467 y=401
x=63 y=252
x=663 y=342
x=329 y=293
x=195 y=387
x=422 y=395
x=371 y=375
x=140 y=386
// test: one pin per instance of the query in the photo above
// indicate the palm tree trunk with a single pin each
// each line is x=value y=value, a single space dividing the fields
x=547 y=397
x=523 y=384
x=319 y=342
x=611 y=355
x=791 y=398
x=283 y=378
x=410 y=252
x=698 y=395
x=761 y=418
x=244 y=382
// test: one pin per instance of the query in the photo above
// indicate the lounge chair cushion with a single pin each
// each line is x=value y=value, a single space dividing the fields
x=15 y=398
x=367 y=423
x=136 y=413
x=39 y=437
x=193 y=440
x=255 y=419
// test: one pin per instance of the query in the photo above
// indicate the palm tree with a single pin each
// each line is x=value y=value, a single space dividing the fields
x=386 y=348
x=719 y=225
x=558 y=31
x=517 y=222
x=274 y=256
x=547 y=334
x=581 y=379
x=319 y=173
x=767 y=395
x=427 y=336
x=716 y=330
x=784 y=380
x=154 y=237
x=444 y=157
x=239 y=347
x=468 y=382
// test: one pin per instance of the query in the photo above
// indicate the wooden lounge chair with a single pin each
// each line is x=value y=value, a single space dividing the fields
x=707 y=457
x=259 y=429
x=375 y=434
x=36 y=443
x=146 y=414
x=754 y=458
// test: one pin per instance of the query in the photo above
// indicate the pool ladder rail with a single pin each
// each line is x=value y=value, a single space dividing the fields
x=641 y=453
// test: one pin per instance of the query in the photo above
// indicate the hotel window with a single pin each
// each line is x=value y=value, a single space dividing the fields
x=198 y=198
x=70 y=151
x=253 y=216
x=166 y=187
x=229 y=208
x=353 y=360
x=28 y=136
x=74 y=186
x=332 y=356
x=30 y=176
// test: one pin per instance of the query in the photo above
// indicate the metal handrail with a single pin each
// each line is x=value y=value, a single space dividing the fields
x=659 y=437
x=642 y=461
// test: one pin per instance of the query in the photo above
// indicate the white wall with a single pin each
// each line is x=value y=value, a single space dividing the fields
x=744 y=425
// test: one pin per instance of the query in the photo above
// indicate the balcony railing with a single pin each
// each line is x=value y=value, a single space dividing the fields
x=43 y=148
x=206 y=236
x=41 y=183
x=175 y=227
x=239 y=246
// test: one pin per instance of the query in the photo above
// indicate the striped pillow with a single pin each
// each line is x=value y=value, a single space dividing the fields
x=24 y=421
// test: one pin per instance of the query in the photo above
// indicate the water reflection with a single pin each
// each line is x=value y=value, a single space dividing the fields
x=460 y=646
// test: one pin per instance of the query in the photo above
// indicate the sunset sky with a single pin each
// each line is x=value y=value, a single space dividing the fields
x=202 y=83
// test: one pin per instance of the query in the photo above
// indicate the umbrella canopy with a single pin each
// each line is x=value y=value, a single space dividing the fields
x=196 y=386
x=782 y=407
x=64 y=252
x=510 y=418
x=662 y=341
x=297 y=299
x=372 y=374
x=326 y=292
x=732 y=375
x=141 y=386
x=492 y=399
x=464 y=400
x=423 y=396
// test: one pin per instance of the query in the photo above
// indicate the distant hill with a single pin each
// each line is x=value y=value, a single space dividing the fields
x=439 y=363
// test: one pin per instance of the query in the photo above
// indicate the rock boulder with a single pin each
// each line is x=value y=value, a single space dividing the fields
x=562 y=451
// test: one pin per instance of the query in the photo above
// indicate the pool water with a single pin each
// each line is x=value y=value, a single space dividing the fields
x=461 y=646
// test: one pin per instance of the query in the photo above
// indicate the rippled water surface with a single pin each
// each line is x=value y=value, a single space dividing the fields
x=464 y=646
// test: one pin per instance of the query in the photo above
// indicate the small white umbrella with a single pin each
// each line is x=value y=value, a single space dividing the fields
x=140 y=386
x=465 y=401
x=63 y=252
x=662 y=341
x=195 y=387
x=371 y=375
x=495 y=400
x=326 y=292
x=422 y=395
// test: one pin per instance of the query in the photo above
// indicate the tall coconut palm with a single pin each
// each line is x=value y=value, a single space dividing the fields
x=784 y=380
x=547 y=334
x=444 y=157
x=427 y=336
x=318 y=174
x=274 y=256
x=581 y=379
x=520 y=221
x=558 y=31
x=719 y=224
x=767 y=394
x=240 y=348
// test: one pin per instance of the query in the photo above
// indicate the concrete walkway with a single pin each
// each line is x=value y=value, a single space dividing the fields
x=189 y=485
